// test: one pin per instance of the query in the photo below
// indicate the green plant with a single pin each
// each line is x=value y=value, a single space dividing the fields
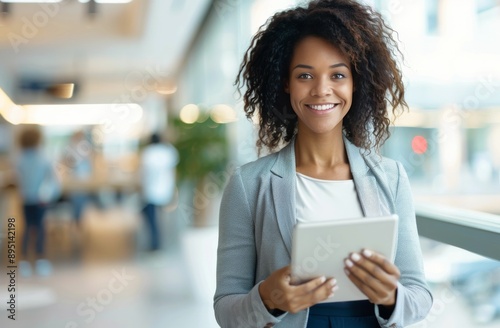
x=203 y=150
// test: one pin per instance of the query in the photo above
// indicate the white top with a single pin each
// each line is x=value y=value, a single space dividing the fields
x=158 y=173
x=323 y=200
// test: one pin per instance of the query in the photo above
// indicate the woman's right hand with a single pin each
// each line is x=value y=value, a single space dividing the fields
x=278 y=293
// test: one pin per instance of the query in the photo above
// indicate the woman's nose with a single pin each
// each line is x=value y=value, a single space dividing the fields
x=322 y=88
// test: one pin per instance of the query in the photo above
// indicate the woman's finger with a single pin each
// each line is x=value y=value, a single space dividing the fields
x=381 y=261
x=310 y=293
x=312 y=285
x=364 y=288
x=374 y=282
x=372 y=273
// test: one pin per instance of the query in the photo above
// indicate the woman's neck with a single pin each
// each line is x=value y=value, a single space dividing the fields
x=322 y=157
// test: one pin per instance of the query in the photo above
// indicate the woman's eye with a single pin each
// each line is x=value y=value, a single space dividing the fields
x=338 y=76
x=305 y=76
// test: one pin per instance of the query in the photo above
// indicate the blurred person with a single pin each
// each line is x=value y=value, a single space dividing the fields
x=158 y=162
x=80 y=155
x=39 y=187
x=322 y=78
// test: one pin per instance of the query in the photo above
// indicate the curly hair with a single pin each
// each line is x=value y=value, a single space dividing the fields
x=360 y=34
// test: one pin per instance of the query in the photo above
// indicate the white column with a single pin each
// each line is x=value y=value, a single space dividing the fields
x=452 y=147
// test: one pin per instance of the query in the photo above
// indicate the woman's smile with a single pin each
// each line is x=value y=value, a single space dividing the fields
x=322 y=108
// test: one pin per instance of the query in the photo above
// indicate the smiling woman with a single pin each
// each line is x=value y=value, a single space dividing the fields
x=321 y=79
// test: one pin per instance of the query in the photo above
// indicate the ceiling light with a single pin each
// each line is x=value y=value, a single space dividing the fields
x=166 y=88
x=222 y=114
x=5 y=103
x=62 y=90
x=15 y=115
x=189 y=113
x=110 y=115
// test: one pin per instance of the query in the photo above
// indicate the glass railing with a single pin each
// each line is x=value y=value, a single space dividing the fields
x=461 y=250
x=475 y=231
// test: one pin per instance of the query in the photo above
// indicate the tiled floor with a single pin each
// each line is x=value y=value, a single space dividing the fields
x=128 y=294
x=142 y=293
x=112 y=284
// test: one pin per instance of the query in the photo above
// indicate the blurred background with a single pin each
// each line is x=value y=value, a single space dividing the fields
x=85 y=84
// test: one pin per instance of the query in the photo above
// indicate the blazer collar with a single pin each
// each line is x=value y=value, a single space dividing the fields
x=283 y=187
x=283 y=192
x=366 y=184
x=285 y=163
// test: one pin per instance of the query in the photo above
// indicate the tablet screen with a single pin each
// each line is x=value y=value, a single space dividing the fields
x=319 y=249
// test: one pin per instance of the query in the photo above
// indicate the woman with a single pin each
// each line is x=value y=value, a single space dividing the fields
x=319 y=79
x=39 y=186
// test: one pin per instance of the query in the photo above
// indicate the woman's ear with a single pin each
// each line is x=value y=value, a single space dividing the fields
x=287 y=87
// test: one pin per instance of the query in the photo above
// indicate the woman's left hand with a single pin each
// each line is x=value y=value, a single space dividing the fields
x=374 y=275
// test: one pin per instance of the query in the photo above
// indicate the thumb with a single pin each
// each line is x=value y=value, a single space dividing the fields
x=286 y=273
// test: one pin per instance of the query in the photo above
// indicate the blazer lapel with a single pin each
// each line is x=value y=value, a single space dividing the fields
x=283 y=193
x=366 y=184
x=283 y=188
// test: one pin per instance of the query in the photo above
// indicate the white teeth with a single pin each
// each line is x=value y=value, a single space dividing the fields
x=322 y=107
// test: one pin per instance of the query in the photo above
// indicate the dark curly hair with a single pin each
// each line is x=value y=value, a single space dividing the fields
x=361 y=35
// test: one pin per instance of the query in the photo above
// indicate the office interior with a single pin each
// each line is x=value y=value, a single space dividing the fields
x=114 y=72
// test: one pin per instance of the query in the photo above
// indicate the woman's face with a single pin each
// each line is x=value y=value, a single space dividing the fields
x=320 y=86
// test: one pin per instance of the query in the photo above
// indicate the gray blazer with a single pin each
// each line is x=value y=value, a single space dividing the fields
x=257 y=216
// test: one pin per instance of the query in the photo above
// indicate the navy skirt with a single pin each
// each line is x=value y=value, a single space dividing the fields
x=355 y=314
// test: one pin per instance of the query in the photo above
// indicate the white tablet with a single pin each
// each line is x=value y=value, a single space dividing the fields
x=319 y=249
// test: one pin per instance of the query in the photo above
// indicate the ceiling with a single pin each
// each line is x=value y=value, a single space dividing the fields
x=111 y=54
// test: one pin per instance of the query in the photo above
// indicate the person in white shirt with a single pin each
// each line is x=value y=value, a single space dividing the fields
x=158 y=162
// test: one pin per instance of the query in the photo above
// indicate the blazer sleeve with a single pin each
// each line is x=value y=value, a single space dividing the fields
x=237 y=302
x=413 y=300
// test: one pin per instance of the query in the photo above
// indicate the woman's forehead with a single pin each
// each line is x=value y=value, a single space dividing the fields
x=314 y=49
